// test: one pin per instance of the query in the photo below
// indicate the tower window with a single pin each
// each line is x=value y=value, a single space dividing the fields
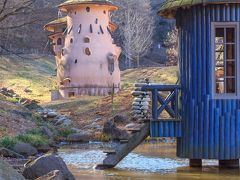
x=59 y=41
x=101 y=29
x=96 y=21
x=87 y=51
x=79 y=28
x=104 y=12
x=71 y=40
x=91 y=29
x=75 y=61
x=86 y=40
x=88 y=9
x=225 y=60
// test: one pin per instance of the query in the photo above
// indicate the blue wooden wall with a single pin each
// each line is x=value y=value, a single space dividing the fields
x=210 y=127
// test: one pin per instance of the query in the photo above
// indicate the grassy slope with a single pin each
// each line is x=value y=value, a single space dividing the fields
x=34 y=74
x=86 y=109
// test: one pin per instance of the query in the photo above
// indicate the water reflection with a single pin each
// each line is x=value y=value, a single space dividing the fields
x=148 y=162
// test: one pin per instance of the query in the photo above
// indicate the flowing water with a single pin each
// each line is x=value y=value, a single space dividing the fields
x=149 y=161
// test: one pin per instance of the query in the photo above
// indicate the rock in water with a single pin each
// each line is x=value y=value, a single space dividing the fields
x=25 y=149
x=79 y=137
x=53 y=175
x=8 y=173
x=44 y=165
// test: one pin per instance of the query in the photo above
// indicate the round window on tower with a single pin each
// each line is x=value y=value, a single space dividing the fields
x=87 y=51
x=88 y=9
x=86 y=40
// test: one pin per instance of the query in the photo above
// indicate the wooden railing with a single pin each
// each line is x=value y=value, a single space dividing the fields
x=161 y=104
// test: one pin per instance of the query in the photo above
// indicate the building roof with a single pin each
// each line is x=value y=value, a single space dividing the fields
x=169 y=7
x=64 y=6
x=51 y=25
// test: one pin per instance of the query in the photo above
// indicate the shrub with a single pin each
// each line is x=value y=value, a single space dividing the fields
x=8 y=142
x=35 y=140
x=65 y=131
x=12 y=100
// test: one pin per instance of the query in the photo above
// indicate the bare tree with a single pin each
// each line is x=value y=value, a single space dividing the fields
x=21 y=25
x=136 y=26
x=171 y=43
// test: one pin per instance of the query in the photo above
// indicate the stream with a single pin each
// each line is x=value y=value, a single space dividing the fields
x=149 y=161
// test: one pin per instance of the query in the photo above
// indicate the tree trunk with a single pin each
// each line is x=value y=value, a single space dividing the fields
x=138 y=61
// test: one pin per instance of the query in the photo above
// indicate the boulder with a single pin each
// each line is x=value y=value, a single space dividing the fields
x=47 y=132
x=120 y=119
x=44 y=165
x=75 y=130
x=8 y=153
x=115 y=133
x=61 y=120
x=52 y=114
x=53 y=175
x=43 y=148
x=67 y=122
x=79 y=137
x=131 y=125
x=7 y=172
x=25 y=149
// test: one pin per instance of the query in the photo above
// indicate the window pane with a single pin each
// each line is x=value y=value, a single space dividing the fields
x=219 y=56
x=230 y=85
x=219 y=35
x=230 y=35
x=219 y=47
x=230 y=51
x=219 y=72
x=219 y=63
x=220 y=86
x=230 y=68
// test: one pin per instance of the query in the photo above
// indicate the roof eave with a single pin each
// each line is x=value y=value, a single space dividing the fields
x=64 y=7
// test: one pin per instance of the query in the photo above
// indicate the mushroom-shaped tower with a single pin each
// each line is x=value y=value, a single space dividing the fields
x=89 y=58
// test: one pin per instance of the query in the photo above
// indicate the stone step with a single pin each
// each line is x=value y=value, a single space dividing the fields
x=133 y=130
x=123 y=141
x=109 y=151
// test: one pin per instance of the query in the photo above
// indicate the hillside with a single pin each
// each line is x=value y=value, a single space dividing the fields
x=32 y=78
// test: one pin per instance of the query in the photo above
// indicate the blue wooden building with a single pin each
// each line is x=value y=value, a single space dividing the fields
x=204 y=107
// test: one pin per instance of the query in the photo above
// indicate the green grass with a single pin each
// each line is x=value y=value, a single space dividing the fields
x=8 y=142
x=12 y=100
x=34 y=138
x=64 y=131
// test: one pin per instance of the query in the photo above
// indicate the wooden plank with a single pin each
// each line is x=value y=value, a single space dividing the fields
x=124 y=141
x=109 y=151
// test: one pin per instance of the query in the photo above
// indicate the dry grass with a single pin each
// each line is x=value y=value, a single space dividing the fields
x=85 y=109
x=35 y=75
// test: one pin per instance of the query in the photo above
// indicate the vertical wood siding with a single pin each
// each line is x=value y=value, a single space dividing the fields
x=210 y=127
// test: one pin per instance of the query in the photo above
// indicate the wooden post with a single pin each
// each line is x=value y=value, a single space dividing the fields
x=195 y=162
x=234 y=163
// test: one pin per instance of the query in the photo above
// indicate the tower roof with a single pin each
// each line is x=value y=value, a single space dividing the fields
x=169 y=7
x=58 y=22
x=70 y=3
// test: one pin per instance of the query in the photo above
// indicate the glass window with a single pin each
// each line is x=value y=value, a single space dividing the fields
x=225 y=60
